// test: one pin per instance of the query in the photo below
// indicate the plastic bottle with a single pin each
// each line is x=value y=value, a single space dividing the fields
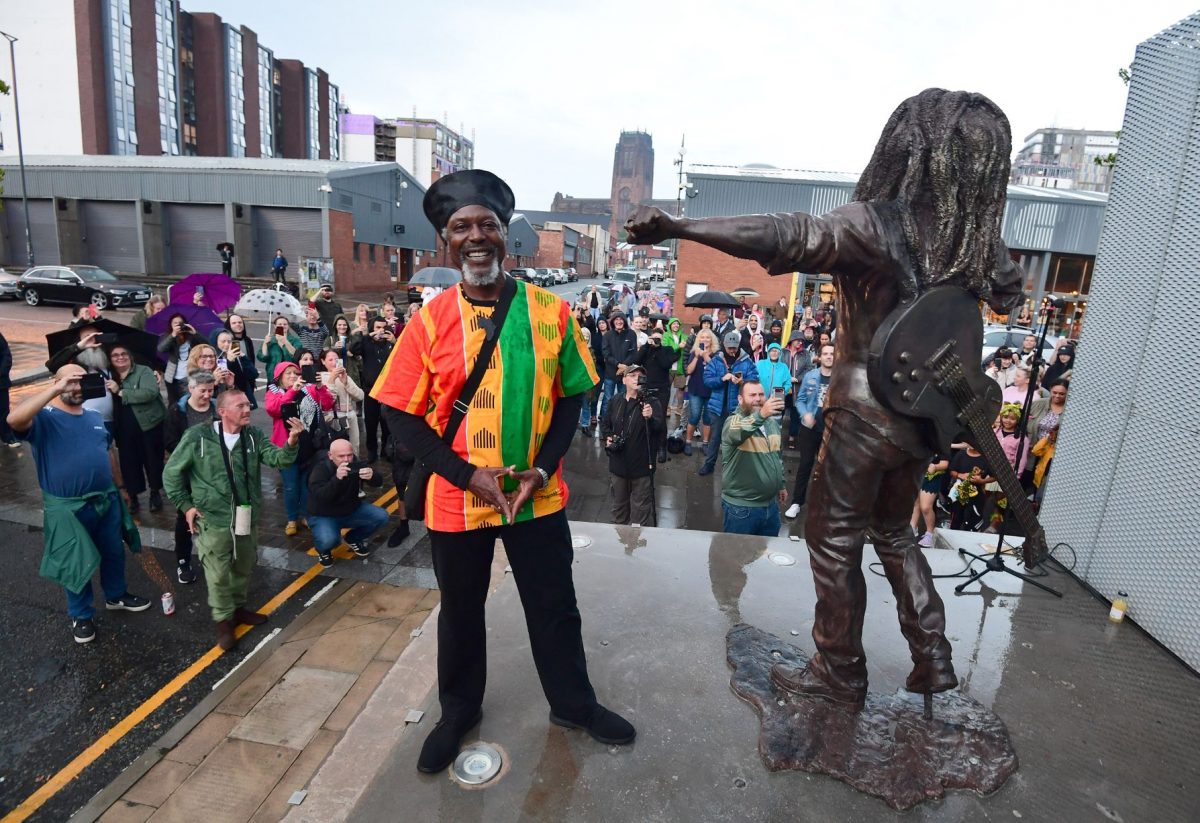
x=1119 y=606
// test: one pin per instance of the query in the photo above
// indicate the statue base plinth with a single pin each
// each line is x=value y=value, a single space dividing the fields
x=886 y=749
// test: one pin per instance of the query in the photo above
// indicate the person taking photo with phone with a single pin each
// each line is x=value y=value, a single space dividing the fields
x=752 y=488
x=373 y=349
x=296 y=395
x=810 y=402
x=334 y=502
x=282 y=344
x=86 y=524
x=724 y=373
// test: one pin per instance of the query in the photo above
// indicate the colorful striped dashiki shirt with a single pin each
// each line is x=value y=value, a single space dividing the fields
x=540 y=357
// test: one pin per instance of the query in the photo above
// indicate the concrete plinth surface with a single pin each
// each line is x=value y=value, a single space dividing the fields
x=1103 y=720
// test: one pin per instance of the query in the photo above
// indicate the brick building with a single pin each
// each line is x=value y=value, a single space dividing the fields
x=145 y=77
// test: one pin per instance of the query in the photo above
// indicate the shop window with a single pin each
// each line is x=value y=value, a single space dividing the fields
x=371 y=253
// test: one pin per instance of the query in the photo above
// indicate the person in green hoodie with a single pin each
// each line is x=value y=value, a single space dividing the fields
x=752 y=467
x=86 y=524
x=213 y=472
x=676 y=338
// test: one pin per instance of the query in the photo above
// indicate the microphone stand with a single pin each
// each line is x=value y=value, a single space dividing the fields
x=995 y=561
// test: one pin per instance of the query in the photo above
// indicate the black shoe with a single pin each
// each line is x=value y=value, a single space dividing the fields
x=134 y=505
x=399 y=535
x=156 y=504
x=360 y=548
x=128 y=602
x=604 y=726
x=84 y=629
x=325 y=559
x=442 y=744
x=704 y=471
x=184 y=572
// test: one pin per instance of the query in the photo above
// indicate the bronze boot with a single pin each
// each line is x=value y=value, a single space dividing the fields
x=804 y=681
x=931 y=675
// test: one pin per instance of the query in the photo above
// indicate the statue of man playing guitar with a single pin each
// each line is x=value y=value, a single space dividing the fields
x=926 y=213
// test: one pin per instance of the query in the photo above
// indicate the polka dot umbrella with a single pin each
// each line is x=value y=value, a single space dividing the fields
x=270 y=303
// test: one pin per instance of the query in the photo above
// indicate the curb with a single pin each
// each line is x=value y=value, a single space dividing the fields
x=30 y=376
x=135 y=771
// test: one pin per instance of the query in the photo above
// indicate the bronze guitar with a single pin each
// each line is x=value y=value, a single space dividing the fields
x=922 y=364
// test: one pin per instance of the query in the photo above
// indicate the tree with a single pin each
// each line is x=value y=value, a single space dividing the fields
x=1109 y=160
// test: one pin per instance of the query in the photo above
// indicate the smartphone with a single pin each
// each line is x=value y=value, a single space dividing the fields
x=779 y=392
x=357 y=465
x=92 y=386
x=340 y=365
x=308 y=373
x=106 y=338
x=222 y=363
x=288 y=410
x=702 y=345
x=200 y=291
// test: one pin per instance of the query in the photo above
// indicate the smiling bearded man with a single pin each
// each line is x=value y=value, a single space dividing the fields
x=495 y=460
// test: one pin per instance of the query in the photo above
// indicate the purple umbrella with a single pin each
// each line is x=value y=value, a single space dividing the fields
x=200 y=318
x=221 y=293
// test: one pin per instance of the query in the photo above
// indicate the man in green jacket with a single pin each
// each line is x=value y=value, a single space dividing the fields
x=86 y=522
x=214 y=478
x=752 y=466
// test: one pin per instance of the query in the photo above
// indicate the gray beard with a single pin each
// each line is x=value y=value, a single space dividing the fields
x=71 y=398
x=92 y=359
x=486 y=279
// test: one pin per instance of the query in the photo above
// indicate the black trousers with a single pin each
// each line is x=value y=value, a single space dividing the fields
x=140 y=454
x=373 y=417
x=6 y=433
x=183 y=539
x=540 y=554
x=809 y=442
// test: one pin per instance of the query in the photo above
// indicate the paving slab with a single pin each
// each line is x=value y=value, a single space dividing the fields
x=276 y=806
x=230 y=785
x=1103 y=720
x=292 y=711
x=201 y=740
x=159 y=782
x=350 y=644
x=125 y=812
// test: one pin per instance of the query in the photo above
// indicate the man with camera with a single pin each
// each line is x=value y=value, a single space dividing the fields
x=657 y=362
x=214 y=477
x=86 y=524
x=334 y=504
x=631 y=429
x=374 y=348
x=752 y=465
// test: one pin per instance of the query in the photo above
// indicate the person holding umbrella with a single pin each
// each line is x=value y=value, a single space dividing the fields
x=277 y=347
x=138 y=421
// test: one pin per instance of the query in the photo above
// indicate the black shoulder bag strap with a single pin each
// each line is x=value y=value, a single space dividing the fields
x=493 y=325
x=414 y=493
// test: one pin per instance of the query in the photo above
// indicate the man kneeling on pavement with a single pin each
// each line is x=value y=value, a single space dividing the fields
x=214 y=478
x=334 y=503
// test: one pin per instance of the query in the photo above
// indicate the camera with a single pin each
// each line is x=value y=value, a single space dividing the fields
x=616 y=445
x=644 y=394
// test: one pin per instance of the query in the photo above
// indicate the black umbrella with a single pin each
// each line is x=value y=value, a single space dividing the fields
x=660 y=316
x=142 y=345
x=712 y=300
x=439 y=277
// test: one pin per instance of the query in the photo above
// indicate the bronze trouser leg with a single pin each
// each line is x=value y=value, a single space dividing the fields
x=922 y=615
x=841 y=498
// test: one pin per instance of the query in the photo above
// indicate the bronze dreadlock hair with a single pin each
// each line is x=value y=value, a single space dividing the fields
x=943 y=162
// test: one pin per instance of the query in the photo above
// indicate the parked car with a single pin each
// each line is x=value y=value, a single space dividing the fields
x=8 y=285
x=544 y=277
x=604 y=291
x=79 y=284
x=528 y=275
x=413 y=294
x=560 y=277
x=994 y=337
x=572 y=275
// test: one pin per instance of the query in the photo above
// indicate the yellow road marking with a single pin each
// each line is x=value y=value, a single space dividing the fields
x=110 y=738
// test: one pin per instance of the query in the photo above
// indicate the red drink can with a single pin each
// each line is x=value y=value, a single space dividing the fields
x=168 y=601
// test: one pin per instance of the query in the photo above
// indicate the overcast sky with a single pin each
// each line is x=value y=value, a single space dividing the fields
x=547 y=86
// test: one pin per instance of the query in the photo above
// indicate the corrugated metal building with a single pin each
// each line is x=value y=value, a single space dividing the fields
x=167 y=214
x=1054 y=233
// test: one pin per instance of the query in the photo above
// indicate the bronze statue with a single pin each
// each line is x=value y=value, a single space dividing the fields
x=926 y=212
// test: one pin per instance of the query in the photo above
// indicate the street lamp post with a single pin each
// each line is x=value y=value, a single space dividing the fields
x=12 y=56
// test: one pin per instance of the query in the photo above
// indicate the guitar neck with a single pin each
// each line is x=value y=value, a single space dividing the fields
x=1002 y=470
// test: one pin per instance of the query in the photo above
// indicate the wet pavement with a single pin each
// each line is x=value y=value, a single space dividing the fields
x=58 y=697
x=1102 y=719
